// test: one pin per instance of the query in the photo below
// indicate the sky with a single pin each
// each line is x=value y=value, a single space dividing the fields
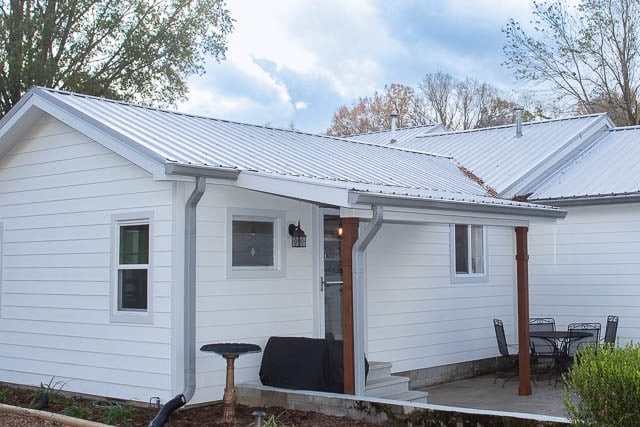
x=294 y=62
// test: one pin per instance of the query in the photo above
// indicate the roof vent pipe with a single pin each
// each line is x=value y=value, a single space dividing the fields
x=518 y=111
x=394 y=125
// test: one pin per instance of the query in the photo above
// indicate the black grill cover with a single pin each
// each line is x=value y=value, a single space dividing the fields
x=295 y=363
x=304 y=364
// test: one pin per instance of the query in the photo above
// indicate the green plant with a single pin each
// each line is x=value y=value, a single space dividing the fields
x=603 y=387
x=46 y=393
x=77 y=411
x=4 y=394
x=117 y=413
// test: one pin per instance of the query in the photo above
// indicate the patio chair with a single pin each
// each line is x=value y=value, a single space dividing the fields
x=503 y=348
x=611 y=331
x=574 y=344
x=543 y=350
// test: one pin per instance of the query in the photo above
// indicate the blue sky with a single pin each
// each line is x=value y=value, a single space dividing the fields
x=296 y=61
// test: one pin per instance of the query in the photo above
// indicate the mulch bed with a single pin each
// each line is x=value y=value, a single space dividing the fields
x=125 y=414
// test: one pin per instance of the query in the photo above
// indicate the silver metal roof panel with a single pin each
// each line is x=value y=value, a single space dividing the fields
x=501 y=159
x=194 y=140
x=610 y=166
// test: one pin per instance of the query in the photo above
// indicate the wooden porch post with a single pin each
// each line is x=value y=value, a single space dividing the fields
x=349 y=237
x=522 y=269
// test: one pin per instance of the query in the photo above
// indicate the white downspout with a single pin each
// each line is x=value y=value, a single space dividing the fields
x=359 y=295
x=189 y=339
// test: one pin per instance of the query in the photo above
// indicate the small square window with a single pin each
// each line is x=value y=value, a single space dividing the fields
x=468 y=251
x=255 y=243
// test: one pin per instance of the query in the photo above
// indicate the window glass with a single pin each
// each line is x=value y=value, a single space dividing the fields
x=253 y=243
x=134 y=244
x=477 y=249
x=462 y=249
x=132 y=289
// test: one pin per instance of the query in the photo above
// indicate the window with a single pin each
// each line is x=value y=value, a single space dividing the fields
x=255 y=243
x=468 y=244
x=132 y=266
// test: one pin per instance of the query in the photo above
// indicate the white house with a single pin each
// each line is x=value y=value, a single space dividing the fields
x=131 y=236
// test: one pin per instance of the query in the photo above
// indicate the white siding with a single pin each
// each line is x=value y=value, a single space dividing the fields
x=58 y=190
x=587 y=266
x=247 y=310
x=417 y=318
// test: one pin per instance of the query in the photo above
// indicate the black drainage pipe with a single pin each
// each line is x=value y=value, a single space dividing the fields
x=163 y=415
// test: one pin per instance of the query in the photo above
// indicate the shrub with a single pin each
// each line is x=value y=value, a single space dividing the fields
x=603 y=387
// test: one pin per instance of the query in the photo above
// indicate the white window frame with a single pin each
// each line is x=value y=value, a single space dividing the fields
x=469 y=277
x=279 y=247
x=130 y=316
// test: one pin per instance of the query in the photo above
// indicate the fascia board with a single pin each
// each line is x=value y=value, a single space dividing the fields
x=99 y=132
x=558 y=159
x=592 y=200
x=394 y=215
x=312 y=190
x=356 y=198
x=14 y=126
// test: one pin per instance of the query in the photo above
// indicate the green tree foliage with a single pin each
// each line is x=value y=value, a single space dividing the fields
x=588 y=54
x=603 y=387
x=134 y=50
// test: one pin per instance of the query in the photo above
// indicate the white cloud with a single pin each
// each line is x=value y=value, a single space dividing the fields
x=301 y=105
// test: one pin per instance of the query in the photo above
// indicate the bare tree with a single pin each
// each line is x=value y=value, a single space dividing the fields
x=465 y=104
x=588 y=54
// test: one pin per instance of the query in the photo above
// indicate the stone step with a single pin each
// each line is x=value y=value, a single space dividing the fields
x=378 y=370
x=409 y=396
x=386 y=386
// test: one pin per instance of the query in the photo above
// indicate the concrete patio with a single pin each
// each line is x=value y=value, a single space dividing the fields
x=481 y=393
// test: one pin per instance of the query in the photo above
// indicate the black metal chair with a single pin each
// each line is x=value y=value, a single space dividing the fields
x=611 y=331
x=543 y=349
x=503 y=348
x=577 y=342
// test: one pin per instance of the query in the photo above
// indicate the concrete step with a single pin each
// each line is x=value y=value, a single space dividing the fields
x=409 y=396
x=378 y=370
x=386 y=386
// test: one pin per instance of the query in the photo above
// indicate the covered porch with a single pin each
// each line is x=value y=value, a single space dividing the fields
x=379 y=315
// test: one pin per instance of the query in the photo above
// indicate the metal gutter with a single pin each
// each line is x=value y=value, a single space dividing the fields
x=359 y=295
x=201 y=171
x=450 y=205
x=593 y=200
x=189 y=340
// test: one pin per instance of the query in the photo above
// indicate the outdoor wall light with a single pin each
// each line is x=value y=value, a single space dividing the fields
x=340 y=229
x=298 y=238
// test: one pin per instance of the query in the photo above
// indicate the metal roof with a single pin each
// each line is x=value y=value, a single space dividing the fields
x=194 y=145
x=195 y=140
x=610 y=166
x=400 y=135
x=501 y=159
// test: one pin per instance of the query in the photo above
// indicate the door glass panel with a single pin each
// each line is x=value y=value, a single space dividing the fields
x=332 y=277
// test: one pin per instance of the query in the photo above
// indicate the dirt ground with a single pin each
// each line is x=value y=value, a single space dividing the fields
x=122 y=414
